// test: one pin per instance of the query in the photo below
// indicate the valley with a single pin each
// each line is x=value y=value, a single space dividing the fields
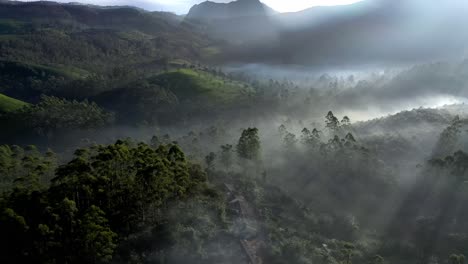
x=233 y=134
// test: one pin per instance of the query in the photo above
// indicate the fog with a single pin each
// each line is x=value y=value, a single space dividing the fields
x=334 y=135
x=368 y=92
x=369 y=32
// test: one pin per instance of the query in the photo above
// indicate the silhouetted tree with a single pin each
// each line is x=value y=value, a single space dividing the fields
x=345 y=121
x=332 y=123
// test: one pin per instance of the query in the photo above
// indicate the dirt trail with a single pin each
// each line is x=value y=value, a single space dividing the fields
x=250 y=237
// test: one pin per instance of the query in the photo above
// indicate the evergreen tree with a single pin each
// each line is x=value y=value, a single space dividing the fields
x=346 y=121
x=306 y=136
x=289 y=140
x=248 y=146
x=349 y=140
x=316 y=134
x=97 y=240
x=332 y=122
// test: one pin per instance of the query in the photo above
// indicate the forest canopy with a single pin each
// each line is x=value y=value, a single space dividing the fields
x=235 y=134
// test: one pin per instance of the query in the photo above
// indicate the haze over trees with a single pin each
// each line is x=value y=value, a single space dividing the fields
x=129 y=136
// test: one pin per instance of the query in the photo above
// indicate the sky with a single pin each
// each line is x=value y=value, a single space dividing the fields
x=183 y=6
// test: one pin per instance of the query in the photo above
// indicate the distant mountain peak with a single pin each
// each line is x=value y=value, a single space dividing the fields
x=240 y=8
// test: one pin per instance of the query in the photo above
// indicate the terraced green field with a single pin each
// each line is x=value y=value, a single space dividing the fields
x=190 y=83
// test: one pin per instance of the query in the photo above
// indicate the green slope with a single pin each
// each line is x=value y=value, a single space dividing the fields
x=212 y=88
x=25 y=69
x=8 y=104
x=27 y=81
x=94 y=38
x=176 y=95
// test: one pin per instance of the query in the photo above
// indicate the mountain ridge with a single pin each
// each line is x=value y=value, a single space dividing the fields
x=241 y=8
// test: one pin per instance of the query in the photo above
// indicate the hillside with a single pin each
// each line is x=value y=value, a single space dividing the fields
x=27 y=81
x=188 y=84
x=174 y=95
x=78 y=51
x=410 y=122
x=8 y=104
x=93 y=38
x=129 y=136
x=79 y=15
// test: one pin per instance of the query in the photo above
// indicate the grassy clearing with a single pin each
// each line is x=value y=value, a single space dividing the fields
x=8 y=104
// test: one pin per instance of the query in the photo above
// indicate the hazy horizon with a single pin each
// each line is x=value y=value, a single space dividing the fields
x=234 y=134
x=183 y=6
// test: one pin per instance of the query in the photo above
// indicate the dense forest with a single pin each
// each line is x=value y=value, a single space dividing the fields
x=126 y=136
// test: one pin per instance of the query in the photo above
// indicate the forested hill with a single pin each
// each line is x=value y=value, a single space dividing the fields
x=77 y=51
x=94 y=38
x=90 y=15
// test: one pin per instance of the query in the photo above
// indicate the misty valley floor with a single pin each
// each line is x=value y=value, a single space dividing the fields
x=234 y=134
